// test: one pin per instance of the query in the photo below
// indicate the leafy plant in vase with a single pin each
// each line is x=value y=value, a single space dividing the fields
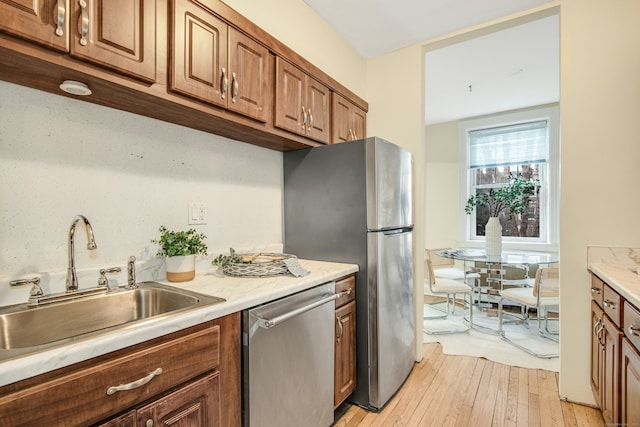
x=511 y=199
x=180 y=249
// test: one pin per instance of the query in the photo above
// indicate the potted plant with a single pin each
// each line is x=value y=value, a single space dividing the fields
x=180 y=249
x=513 y=198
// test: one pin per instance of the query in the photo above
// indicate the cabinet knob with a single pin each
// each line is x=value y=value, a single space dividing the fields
x=149 y=423
x=595 y=291
x=633 y=330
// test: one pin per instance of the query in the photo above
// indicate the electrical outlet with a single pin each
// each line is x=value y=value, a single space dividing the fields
x=197 y=213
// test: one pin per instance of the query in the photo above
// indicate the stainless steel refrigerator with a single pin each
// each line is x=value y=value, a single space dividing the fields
x=351 y=202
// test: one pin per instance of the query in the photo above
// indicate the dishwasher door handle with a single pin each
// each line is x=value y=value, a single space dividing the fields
x=270 y=323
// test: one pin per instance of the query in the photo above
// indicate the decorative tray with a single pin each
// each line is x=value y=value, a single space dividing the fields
x=259 y=265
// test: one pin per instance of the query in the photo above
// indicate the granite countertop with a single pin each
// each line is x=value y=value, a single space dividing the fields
x=239 y=293
x=619 y=267
x=621 y=278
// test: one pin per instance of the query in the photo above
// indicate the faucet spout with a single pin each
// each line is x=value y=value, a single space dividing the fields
x=72 y=278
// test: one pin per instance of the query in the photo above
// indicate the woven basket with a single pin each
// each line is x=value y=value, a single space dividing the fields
x=259 y=269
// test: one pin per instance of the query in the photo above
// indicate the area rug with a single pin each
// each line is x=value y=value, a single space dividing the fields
x=485 y=343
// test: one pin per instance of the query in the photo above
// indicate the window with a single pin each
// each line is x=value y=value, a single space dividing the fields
x=499 y=148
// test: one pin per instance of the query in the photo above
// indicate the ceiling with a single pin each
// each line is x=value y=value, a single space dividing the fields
x=514 y=68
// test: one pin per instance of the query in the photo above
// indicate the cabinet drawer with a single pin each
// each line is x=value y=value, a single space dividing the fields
x=597 y=289
x=632 y=324
x=344 y=285
x=80 y=397
x=612 y=305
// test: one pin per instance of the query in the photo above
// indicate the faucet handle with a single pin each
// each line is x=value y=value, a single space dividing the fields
x=36 y=291
x=103 y=282
x=131 y=273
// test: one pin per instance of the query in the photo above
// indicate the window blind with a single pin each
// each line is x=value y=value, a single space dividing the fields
x=522 y=143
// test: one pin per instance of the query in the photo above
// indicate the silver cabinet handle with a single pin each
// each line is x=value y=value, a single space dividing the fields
x=340 y=329
x=304 y=117
x=609 y=304
x=270 y=323
x=84 y=22
x=310 y=120
x=225 y=82
x=61 y=12
x=234 y=83
x=633 y=330
x=595 y=291
x=135 y=384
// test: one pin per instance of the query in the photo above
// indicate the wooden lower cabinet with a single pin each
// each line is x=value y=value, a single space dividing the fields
x=630 y=385
x=605 y=363
x=196 y=404
x=199 y=366
x=345 y=343
x=345 y=353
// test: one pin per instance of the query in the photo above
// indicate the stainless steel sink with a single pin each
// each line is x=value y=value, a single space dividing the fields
x=24 y=327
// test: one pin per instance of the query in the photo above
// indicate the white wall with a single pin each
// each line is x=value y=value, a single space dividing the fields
x=128 y=174
x=396 y=111
x=442 y=185
x=599 y=109
x=298 y=26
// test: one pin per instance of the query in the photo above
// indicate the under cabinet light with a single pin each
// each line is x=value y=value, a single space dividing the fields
x=75 y=88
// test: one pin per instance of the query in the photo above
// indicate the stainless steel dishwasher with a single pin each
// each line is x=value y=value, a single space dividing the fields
x=288 y=357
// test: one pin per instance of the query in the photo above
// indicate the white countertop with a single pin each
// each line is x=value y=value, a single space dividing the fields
x=621 y=278
x=239 y=293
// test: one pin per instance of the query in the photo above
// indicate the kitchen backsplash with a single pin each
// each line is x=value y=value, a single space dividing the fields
x=613 y=255
x=128 y=175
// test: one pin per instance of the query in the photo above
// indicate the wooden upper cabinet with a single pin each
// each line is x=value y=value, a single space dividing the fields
x=251 y=80
x=45 y=22
x=349 y=122
x=302 y=103
x=216 y=64
x=117 y=34
x=199 y=63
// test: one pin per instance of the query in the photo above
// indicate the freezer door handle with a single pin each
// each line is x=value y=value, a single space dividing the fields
x=270 y=323
x=397 y=231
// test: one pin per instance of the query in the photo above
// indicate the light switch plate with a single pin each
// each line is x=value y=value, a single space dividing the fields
x=197 y=213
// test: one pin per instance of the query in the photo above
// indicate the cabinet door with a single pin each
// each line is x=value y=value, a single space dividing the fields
x=198 y=55
x=612 y=338
x=359 y=123
x=117 y=34
x=596 y=352
x=630 y=387
x=250 y=66
x=45 y=22
x=345 y=353
x=290 y=98
x=196 y=405
x=318 y=116
x=341 y=121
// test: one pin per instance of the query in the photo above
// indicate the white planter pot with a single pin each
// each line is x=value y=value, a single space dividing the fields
x=493 y=237
x=181 y=268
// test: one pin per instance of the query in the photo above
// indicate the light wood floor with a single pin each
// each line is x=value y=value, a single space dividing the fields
x=445 y=390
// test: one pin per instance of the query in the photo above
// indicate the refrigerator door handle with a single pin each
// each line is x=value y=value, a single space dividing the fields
x=270 y=323
x=397 y=231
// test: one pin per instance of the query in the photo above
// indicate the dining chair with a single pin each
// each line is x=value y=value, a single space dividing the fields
x=446 y=267
x=544 y=297
x=447 y=288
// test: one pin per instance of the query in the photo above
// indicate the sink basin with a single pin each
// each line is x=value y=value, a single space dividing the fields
x=23 y=327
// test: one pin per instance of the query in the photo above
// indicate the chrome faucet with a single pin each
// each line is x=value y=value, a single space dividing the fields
x=72 y=278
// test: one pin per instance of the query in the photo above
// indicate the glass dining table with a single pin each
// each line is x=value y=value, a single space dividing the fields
x=512 y=268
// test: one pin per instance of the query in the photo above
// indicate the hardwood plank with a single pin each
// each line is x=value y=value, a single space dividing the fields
x=445 y=390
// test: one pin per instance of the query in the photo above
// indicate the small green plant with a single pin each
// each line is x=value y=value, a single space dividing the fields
x=222 y=260
x=514 y=197
x=177 y=243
